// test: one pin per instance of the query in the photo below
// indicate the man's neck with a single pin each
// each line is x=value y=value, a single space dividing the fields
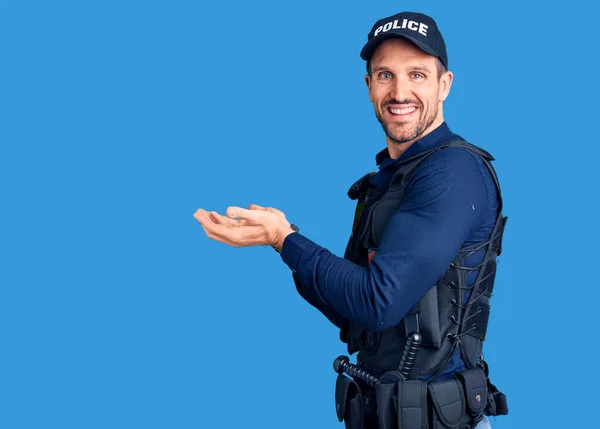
x=397 y=149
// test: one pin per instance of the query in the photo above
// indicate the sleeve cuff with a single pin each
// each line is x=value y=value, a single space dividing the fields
x=294 y=246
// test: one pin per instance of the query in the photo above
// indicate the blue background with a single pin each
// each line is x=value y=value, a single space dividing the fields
x=120 y=118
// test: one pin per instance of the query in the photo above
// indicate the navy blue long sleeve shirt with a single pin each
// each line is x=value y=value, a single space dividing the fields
x=451 y=202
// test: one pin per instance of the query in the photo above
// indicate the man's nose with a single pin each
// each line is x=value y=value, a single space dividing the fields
x=400 y=89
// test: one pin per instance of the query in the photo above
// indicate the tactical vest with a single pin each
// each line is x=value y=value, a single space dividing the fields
x=443 y=317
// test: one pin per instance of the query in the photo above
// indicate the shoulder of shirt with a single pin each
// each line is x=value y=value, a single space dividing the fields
x=453 y=158
x=454 y=172
x=455 y=163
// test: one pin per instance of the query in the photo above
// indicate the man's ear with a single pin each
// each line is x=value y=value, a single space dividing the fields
x=368 y=82
x=445 y=84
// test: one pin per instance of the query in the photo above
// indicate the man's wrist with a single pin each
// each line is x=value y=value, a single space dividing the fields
x=286 y=231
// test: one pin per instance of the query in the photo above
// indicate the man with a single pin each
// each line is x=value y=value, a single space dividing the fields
x=419 y=269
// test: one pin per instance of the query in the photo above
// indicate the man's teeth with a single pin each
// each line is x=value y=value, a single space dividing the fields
x=403 y=111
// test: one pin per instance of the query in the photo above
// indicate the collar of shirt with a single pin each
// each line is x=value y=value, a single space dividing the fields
x=387 y=165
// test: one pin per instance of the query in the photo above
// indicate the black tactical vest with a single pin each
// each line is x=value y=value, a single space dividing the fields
x=450 y=315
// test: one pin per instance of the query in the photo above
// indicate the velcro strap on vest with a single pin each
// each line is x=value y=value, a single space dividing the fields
x=478 y=317
x=412 y=404
x=448 y=401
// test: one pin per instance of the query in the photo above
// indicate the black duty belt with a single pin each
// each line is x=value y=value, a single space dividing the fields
x=413 y=404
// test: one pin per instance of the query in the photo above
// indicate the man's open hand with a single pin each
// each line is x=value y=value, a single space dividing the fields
x=240 y=227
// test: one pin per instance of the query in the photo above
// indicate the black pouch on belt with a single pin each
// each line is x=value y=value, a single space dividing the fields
x=386 y=395
x=476 y=393
x=402 y=404
x=412 y=404
x=348 y=402
x=448 y=402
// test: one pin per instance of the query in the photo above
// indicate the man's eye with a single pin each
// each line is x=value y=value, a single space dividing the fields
x=417 y=76
x=385 y=75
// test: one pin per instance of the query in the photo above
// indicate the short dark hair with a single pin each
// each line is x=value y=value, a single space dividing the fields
x=441 y=69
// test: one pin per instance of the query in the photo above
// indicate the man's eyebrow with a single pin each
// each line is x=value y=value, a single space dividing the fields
x=419 y=68
x=379 y=68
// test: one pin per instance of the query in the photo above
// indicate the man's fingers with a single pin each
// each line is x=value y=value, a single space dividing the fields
x=266 y=209
x=201 y=215
x=256 y=207
x=254 y=216
x=205 y=221
x=224 y=220
x=208 y=218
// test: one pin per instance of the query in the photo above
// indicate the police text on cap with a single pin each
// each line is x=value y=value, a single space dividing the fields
x=411 y=25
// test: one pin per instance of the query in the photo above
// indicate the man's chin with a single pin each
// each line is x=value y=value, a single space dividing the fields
x=400 y=138
x=399 y=132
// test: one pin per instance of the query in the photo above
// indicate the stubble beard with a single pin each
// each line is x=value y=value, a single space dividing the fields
x=406 y=134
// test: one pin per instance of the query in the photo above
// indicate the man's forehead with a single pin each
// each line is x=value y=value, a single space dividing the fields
x=400 y=52
x=399 y=47
x=413 y=62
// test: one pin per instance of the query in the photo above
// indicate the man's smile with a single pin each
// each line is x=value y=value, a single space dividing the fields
x=401 y=112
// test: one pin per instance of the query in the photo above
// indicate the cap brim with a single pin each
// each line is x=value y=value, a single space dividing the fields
x=369 y=48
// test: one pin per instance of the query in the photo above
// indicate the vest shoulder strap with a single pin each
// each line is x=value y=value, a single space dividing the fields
x=411 y=165
x=485 y=156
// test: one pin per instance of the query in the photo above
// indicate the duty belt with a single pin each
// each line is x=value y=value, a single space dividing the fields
x=402 y=403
